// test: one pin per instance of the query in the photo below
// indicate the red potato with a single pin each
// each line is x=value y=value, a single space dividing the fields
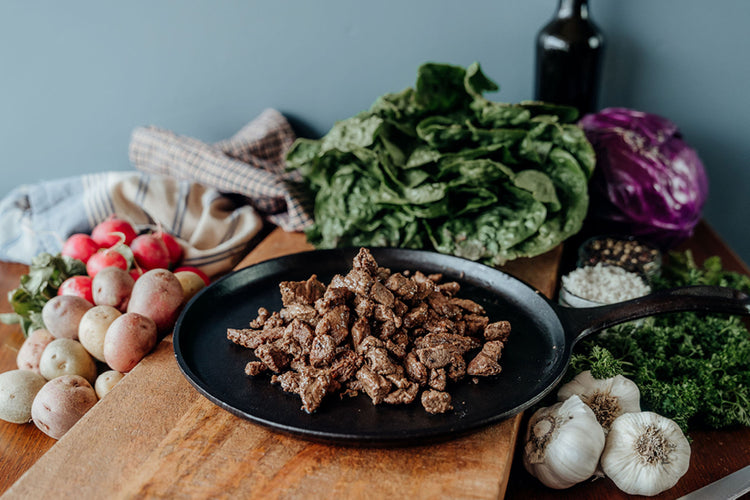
x=80 y=246
x=60 y=403
x=158 y=295
x=112 y=287
x=67 y=357
x=93 y=328
x=32 y=348
x=129 y=338
x=112 y=231
x=77 y=285
x=105 y=258
x=173 y=247
x=150 y=251
x=62 y=314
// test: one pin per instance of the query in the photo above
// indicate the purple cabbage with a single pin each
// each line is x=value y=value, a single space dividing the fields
x=648 y=181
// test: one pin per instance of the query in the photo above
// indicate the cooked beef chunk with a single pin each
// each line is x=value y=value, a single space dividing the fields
x=252 y=339
x=436 y=401
x=323 y=350
x=260 y=320
x=273 y=357
x=302 y=312
x=254 y=368
x=386 y=334
x=402 y=286
x=499 y=330
x=486 y=362
x=301 y=292
x=415 y=369
x=438 y=379
x=334 y=323
x=435 y=357
x=376 y=386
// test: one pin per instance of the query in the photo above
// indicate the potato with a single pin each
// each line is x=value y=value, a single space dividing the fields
x=112 y=287
x=62 y=313
x=60 y=403
x=158 y=295
x=191 y=284
x=129 y=338
x=93 y=328
x=31 y=350
x=17 y=391
x=67 y=357
x=106 y=381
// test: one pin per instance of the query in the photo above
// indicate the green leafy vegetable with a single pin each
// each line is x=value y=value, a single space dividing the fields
x=440 y=166
x=693 y=368
x=46 y=273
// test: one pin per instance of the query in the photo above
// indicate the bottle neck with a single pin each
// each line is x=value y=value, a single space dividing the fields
x=573 y=8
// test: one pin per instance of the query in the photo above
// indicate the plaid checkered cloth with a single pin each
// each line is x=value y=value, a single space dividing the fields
x=251 y=163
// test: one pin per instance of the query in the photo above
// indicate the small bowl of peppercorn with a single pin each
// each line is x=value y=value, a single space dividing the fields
x=622 y=251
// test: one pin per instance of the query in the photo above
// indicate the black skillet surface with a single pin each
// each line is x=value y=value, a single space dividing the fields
x=535 y=357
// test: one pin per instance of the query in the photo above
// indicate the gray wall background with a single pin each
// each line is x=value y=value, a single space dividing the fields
x=77 y=77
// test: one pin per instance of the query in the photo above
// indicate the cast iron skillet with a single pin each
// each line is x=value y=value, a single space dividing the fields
x=535 y=357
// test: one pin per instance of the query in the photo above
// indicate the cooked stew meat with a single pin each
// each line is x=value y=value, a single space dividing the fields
x=390 y=335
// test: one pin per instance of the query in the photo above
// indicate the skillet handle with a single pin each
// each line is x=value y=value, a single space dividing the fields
x=582 y=322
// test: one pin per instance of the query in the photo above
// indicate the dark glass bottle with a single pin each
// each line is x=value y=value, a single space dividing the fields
x=569 y=53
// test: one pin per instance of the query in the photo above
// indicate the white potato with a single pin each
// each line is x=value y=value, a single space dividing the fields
x=67 y=357
x=93 y=328
x=60 y=403
x=106 y=381
x=18 y=388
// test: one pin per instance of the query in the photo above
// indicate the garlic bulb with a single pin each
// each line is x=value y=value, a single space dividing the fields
x=563 y=444
x=645 y=453
x=608 y=398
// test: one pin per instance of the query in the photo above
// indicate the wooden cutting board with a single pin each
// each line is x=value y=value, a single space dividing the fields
x=156 y=436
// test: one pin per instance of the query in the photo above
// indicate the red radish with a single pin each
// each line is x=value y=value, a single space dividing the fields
x=195 y=270
x=105 y=258
x=79 y=286
x=150 y=251
x=136 y=273
x=106 y=232
x=173 y=247
x=80 y=246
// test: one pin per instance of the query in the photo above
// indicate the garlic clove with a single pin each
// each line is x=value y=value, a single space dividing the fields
x=563 y=444
x=608 y=398
x=645 y=453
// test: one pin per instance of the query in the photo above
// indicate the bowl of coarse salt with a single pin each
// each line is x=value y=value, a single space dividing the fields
x=598 y=284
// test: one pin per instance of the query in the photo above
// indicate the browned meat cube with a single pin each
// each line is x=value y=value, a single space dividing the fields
x=483 y=365
x=468 y=305
x=402 y=286
x=302 y=312
x=435 y=357
x=254 y=368
x=438 y=379
x=436 y=401
x=301 y=292
x=450 y=288
x=415 y=369
x=302 y=333
x=376 y=386
x=251 y=339
x=335 y=323
x=382 y=295
x=499 y=330
x=417 y=316
x=322 y=351
x=443 y=305
x=273 y=357
x=404 y=396
x=460 y=343
x=364 y=261
x=345 y=365
x=313 y=387
x=289 y=381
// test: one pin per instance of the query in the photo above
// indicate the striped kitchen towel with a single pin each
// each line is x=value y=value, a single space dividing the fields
x=251 y=163
x=212 y=229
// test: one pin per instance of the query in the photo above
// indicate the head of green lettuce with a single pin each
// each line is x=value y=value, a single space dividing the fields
x=439 y=166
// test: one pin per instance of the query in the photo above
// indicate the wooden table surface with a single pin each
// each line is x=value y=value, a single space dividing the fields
x=714 y=453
